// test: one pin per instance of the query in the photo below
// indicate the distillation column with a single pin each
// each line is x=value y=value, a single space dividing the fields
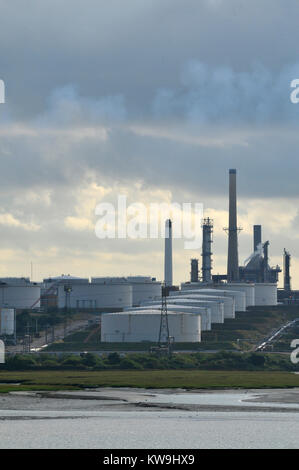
x=207 y=240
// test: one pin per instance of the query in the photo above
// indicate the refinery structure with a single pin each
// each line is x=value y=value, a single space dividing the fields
x=133 y=308
x=212 y=298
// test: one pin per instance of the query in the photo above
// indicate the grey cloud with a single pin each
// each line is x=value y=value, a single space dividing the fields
x=222 y=95
x=106 y=48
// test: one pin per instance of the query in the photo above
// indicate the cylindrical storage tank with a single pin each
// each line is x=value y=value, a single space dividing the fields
x=144 y=325
x=248 y=288
x=96 y=296
x=239 y=297
x=144 y=288
x=7 y=321
x=19 y=296
x=64 y=279
x=229 y=302
x=216 y=306
x=204 y=312
x=265 y=294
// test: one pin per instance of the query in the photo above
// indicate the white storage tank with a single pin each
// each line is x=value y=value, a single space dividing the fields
x=239 y=297
x=204 y=312
x=143 y=287
x=16 y=281
x=248 y=288
x=96 y=296
x=7 y=321
x=63 y=279
x=265 y=294
x=20 y=296
x=144 y=325
x=229 y=302
x=215 y=305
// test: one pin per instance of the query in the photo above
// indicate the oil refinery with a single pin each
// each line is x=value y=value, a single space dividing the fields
x=131 y=306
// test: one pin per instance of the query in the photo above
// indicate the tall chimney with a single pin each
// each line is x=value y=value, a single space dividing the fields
x=232 y=260
x=257 y=237
x=286 y=266
x=168 y=254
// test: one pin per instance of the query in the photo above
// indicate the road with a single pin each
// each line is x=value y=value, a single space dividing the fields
x=59 y=333
x=275 y=335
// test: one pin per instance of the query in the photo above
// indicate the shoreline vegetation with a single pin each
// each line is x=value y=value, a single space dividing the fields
x=222 y=360
x=223 y=370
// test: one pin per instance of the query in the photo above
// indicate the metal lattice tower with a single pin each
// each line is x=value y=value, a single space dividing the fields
x=164 y=327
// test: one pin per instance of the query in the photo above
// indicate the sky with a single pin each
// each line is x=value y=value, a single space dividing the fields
x=155 y=101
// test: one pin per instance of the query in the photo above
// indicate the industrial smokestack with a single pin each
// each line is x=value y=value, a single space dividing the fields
x=286 y=268
x=257 y=237
x=207 y=231
x=168 y=254
x=232 y=260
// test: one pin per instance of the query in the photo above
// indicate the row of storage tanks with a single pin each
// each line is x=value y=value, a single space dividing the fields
x=109 y=293
x=101 y=293
x=191 y=310
x=116 y=293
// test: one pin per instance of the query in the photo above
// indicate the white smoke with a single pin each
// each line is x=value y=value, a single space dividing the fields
x=258 y=252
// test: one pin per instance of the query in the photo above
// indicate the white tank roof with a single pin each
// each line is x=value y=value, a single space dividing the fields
x=15 y=280
x=65 y=277
x=108 y=280
x=129 y=280
x=140 y=279
x=141 y=312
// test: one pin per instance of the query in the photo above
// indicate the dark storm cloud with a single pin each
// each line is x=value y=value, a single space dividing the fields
x=136 y=47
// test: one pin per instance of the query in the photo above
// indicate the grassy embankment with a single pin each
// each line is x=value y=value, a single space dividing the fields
x=241 y=333
x=76 y=380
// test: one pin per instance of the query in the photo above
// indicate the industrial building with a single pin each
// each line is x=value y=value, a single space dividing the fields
x=143 y=325
x=257 y=267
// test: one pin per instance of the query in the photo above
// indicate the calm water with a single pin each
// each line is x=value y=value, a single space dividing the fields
x=149 y=430
x=152 y=429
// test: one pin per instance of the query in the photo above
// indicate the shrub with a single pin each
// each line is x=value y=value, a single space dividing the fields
x=73 y=362
x=114 y=358
x=130 y=364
